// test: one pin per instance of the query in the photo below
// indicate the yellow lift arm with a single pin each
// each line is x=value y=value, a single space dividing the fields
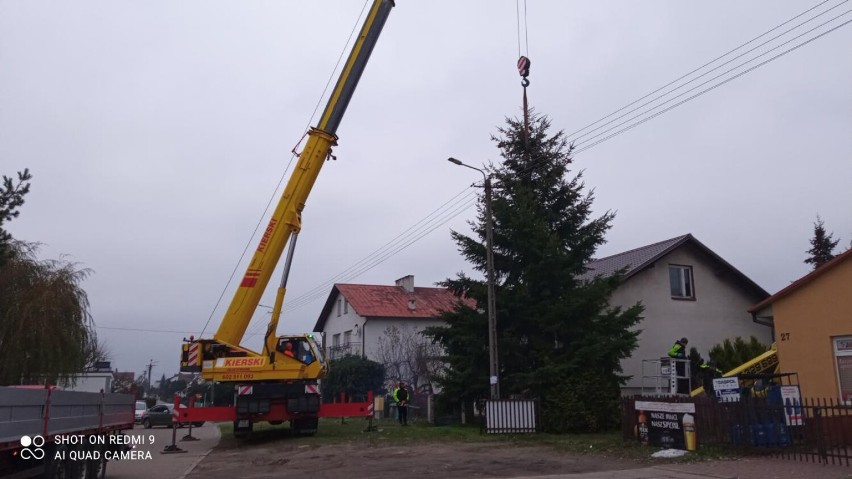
x=284 y=224
x=764 y=363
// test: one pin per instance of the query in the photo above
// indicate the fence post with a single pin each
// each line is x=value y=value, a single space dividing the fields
x=823 y=454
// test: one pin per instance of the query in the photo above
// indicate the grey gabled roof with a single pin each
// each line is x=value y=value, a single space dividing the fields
x=636 y=260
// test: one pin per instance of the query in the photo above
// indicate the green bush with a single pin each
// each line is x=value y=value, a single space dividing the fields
x=584 y=403
x=731 y=354
x=354 y=376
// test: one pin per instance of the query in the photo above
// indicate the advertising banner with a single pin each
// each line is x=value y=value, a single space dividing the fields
x=792 y=398
x=666 y=425
x=727 y=389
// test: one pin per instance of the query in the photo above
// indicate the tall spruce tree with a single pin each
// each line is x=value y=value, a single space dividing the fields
x=558 y=338
x=822 y=245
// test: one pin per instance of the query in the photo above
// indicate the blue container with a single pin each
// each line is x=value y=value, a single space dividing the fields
x=770 y=435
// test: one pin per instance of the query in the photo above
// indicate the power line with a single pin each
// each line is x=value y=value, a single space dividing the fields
x=720 y=66
x=704 y=65
x=401 y=238
x=591 y=142
x=143 y=330
x=453 y=209
x=308 y=297
x=442 y=215
x=748 y=70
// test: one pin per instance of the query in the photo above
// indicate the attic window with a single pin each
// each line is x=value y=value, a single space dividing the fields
x=680 y=280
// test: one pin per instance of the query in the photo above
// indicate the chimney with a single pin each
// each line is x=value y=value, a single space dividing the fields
x=406 y=283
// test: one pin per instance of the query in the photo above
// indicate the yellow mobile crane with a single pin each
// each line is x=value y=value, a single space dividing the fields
x=280 y=383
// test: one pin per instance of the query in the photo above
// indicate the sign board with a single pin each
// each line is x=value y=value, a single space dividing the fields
x=843 y=344
x=727 y=389
x=792 y=398
x=665 y=424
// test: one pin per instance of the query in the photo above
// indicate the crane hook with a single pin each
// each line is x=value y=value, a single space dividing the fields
x=524 y=70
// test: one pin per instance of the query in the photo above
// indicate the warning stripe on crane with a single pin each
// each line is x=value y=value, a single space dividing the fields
x=250 y=279
x=176 y=415
x=243 y=390
x=311 y=389
x=194 y=348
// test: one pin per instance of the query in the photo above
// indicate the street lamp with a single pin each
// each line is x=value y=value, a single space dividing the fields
x=492 y=306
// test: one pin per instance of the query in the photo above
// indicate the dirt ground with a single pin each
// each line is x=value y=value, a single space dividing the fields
x=447 y=461
x=466 y=460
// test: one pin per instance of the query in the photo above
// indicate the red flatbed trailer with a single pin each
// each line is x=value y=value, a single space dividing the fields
x=41 y=425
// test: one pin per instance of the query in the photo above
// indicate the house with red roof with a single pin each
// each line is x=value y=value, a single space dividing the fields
x=688 y=291
x=361 y=319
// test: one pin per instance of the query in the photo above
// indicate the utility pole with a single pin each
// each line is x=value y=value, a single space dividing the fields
x=150 y=365
x=492 y=302
x=493 y=365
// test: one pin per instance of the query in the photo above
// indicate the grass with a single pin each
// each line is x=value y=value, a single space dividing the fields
x=388 y=432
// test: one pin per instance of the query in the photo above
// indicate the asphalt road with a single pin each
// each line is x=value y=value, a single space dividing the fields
x=151 y=462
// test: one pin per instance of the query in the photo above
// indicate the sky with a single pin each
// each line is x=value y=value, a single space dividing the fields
x=157 y=132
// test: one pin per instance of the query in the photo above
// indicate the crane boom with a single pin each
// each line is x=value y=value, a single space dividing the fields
x=286 y=219
x=281 y=382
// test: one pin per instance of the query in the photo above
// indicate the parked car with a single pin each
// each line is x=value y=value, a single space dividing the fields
x=161 y=415
x=141 y=407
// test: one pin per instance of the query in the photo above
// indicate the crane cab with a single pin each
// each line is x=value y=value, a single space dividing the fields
x=296 y=357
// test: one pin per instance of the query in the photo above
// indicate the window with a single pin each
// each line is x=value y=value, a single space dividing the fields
x=335 y=340
x=680 y=279
x=345 y=306
x=338 y=306
x=347 y=336
x=843 y=355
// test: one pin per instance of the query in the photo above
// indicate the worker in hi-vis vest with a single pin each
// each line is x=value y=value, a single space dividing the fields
x=678 y=351
x=401 y=396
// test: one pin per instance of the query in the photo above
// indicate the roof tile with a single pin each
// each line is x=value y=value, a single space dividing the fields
x=393 y=301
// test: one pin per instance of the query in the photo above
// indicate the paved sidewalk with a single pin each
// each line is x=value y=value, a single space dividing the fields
x=743 y=468
x=166 y=466
x=656 y=472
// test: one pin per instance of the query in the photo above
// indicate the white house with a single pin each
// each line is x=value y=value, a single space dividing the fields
x=356 y=318
x=688 y=291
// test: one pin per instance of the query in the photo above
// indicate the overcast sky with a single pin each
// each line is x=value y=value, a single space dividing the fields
x=157 y=131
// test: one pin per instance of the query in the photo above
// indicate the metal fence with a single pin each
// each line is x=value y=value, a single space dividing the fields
x=511 y=416
x=814 y=430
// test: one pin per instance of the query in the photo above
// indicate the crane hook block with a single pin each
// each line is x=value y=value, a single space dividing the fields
x=524 y=66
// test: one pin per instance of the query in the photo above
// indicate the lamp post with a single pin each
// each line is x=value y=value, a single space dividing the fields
x=492 y=305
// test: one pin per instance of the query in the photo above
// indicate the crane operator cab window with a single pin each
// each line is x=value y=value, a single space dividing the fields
x=296 y=348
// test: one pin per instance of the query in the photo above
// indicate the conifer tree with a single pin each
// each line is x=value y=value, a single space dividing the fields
x=558 y=338
x=11 y=198
x=822 y=245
